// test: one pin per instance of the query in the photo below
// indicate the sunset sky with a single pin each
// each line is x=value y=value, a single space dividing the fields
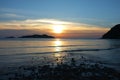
x=60 y=18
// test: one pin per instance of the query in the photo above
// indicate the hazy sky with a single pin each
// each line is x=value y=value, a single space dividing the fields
x=77 y=18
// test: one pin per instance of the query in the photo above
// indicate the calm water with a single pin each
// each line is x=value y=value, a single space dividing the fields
x=16 y=52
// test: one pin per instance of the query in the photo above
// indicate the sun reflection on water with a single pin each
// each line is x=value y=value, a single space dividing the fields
x=58 y=45
x=58 y=56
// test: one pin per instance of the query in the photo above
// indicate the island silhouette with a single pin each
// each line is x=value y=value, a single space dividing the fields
x=37 y=36
x=33 y=36
x=113 y=33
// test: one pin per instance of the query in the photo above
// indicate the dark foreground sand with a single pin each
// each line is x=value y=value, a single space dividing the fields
x=84 y=70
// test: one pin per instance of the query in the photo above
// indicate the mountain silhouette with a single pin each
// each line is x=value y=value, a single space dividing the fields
x=114 y=33
x=37 y=36
x=10 y=37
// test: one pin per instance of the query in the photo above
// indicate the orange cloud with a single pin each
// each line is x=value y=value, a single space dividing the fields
x=71 y=29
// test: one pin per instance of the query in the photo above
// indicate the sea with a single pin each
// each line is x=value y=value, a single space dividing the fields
x=15 y=52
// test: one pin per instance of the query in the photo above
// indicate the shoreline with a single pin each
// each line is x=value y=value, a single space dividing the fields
x=70 y=70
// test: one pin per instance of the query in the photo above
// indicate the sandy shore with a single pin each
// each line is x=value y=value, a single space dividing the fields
x=71 y=70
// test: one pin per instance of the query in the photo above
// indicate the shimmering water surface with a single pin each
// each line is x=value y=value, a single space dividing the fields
x=16 y=52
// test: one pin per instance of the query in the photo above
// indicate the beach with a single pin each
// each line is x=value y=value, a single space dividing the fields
x=51 y=59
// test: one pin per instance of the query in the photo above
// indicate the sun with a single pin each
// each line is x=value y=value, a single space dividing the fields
x=58 y=28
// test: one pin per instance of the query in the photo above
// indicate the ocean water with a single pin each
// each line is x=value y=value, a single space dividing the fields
x=17 y=52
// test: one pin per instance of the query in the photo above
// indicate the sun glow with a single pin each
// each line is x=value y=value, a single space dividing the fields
x=58 y=28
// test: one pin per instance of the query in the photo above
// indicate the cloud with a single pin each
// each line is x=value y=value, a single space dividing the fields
x=8 y=10
x=13 y=10
x=46 y=23
x=71 y=29
x=11 y=15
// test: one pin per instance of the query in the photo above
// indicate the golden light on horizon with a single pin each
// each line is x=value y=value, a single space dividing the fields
x=54 y=27
x=58 y=28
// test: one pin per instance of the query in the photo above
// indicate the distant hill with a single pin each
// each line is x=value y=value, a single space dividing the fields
x=10 y=37
x=36 y=36
x=114 y=33
x=33 y=36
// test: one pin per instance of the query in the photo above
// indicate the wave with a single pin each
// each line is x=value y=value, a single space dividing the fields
x=66 y=51
x=89 y=50
x=43 y=46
